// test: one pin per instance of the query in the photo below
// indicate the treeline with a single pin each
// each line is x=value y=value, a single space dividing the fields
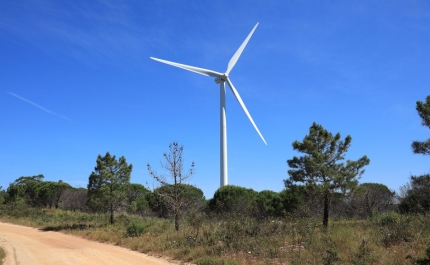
x=320 y=183
x=364 y=201
x=33 y=191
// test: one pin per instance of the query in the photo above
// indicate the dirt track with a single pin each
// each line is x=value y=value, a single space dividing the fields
x=25 y=245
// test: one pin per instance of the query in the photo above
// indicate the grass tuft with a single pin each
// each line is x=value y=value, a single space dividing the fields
x=2 y=255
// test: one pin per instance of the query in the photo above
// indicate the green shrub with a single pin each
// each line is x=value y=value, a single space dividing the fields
x=417 y=199
x=389 y=219
x=135 y=228
x=393 y=229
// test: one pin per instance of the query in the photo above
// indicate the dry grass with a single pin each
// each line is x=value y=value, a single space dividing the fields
x=239 y=240
x=2 y=255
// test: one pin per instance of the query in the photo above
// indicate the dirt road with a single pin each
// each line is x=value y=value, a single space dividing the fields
x=25 y=245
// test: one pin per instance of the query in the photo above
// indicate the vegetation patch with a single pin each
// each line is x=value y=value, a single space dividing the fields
x=236 y=239
x=2 y=255
x=136 y=228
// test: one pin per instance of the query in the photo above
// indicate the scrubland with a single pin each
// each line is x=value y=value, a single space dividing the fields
x=236 y=239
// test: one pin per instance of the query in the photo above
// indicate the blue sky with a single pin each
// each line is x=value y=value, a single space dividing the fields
x=76 y=81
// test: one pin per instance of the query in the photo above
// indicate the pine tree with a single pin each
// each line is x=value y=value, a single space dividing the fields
x=319 y=167
x=423 y=109
x=107 y=186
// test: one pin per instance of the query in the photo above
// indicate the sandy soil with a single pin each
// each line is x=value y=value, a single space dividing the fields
x=25 y=245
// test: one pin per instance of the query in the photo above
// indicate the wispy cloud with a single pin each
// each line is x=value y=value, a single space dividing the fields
x=38 y=106
x=91 y=32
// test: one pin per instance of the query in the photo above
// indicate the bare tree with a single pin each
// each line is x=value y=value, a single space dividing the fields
x=174 y=195
x=370 y=198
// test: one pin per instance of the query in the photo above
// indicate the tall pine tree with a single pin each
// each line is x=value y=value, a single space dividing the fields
x=107 y=185
x=319 y=167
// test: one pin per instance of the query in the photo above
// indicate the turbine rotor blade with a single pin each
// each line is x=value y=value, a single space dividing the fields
x=236 y=56
x=239 y=99
x=194 y=69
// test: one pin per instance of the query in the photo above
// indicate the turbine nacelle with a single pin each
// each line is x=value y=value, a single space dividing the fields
x=220 y=79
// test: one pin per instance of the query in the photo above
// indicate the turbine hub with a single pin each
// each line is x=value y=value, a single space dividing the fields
x=221 y=79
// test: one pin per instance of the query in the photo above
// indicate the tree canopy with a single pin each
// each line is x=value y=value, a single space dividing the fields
x=50 y=192
x=137 y=198
x=24 y=190
x=233 y=198
x=190 y=197
x=423 y=109
x=269 y=203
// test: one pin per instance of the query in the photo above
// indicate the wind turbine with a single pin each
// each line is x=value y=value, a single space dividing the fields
x=221 y=78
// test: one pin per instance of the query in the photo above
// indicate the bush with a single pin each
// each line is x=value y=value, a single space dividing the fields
x=393 y=229
x=389 y=219
x=135 y=228
x=417 y=198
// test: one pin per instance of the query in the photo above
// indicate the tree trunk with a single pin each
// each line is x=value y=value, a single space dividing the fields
x=176 y=221
x=326 y=205
x=112 y=218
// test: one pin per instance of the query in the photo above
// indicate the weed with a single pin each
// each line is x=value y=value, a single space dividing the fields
x=196 y=220
x=2 y=255
x=207 y=260
x=363 y=256
x=330 y=256
x=421 y=261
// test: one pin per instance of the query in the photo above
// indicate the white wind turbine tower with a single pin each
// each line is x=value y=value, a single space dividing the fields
x=221 y=79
